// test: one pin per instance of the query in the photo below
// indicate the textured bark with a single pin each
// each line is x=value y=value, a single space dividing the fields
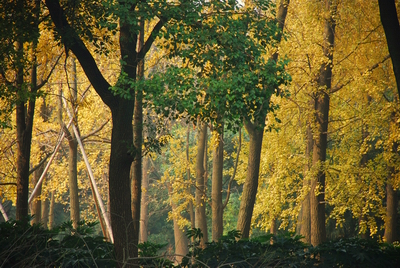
x=144 y=203
x=321 y=98
x=200 y=195
x=391 y=26
x=251 y=183
x=216 y=190
x=25 y=110
x=123 y=225
x=274 y=227
x=136 y=180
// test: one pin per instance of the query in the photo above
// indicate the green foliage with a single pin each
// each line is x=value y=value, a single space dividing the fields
x=149 y=255
x=356 y=252
x=287 y=250
x=225 y=67
x=23 y=245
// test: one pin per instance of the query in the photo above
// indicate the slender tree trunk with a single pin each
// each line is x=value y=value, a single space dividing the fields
x=200 y=195
x=251 y=183
x=144 y=204
x=216 y=191
x=45 y=211
x=391 y=26
x=321 y=98
x=392 y=202
x=36 y=205
x=73 y=156
x=256 y=132
x=51 y=210
x=136 y=182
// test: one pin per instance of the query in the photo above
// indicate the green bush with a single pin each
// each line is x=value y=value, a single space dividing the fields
x=25 y=245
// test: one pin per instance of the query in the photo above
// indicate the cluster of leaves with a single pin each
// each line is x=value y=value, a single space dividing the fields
x=25 y=245
x=223 y=65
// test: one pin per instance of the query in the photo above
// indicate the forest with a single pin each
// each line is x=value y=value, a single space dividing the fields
x=178 y=125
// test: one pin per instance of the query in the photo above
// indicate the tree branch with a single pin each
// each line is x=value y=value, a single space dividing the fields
x=72 y=41
x=376 y=65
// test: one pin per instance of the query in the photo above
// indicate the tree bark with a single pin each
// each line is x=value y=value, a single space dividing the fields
x=251 y=183
x=136 y=180
x=144 y=203
x=200 y=195
x=216 y=191
x=36 y=205
x=391 y=26
x=51 y=210
x=125 y=228
x=45 y=211
x=321 y=98
x=73 y=156
x=25 y=110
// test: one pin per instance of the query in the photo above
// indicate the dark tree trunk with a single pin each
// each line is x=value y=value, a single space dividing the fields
x=251 y=183
x=216 y=191
x=321 y=98
x=391 y=26
x=136 y=182
x=25 y=110
x=125 y=236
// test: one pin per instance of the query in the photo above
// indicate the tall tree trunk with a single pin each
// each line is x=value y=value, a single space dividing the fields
x=321 y=98
x=256 y=132
x=305 y=223
x=73 y=155
x=216 y=191
x=251 y=183
x=25 y=110
x=390 y=235
x=200 y=195
x=391 y=26
x=125 y=234
x=144 y=203
x=121 y=157
x=51 y=209
x=136 y=182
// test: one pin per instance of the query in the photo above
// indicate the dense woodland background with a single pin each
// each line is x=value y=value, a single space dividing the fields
x=263 y=116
